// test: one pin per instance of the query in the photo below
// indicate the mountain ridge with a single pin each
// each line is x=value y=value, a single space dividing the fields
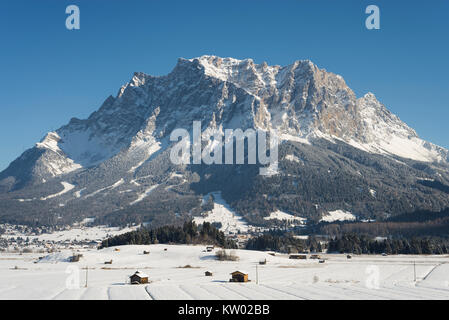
x=312 y=109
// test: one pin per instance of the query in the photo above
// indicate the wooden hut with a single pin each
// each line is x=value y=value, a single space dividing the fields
x=239 y=276
x=138 y=278
x=75 y=258
x=298 y=256
x=208 y=274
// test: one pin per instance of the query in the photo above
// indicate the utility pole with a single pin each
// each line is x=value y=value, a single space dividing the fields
x=257 y=274
x=414 y=269
x=87 y=269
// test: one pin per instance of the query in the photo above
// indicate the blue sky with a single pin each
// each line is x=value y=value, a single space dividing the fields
x=49 y=74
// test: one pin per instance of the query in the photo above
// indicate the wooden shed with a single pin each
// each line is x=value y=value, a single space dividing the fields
x=208 y=274
x=298 y=256
x=138 y=278
x=75 y=258
x=239 y=276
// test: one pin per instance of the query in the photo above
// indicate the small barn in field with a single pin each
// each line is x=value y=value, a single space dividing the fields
x=138 y=278
x=298 y=256
x=75 y=258
x=239 y=276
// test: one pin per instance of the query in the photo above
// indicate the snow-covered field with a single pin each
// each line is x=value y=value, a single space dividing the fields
x=230 y=221
x=362 y=277
x=338 y=215
x=280 y=215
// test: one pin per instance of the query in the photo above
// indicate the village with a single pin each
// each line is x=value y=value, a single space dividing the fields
x=19 y=238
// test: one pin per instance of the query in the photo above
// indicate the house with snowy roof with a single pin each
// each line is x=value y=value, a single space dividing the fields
x=138 y=278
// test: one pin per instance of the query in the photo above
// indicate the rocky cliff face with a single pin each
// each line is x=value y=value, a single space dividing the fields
x=126 y=142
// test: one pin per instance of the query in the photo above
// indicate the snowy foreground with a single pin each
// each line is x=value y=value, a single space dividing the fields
x=362 y=277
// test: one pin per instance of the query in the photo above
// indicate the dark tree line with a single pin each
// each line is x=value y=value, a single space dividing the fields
x=416 y=224
x=283 y=243
x=362 y=244
x=189 y=233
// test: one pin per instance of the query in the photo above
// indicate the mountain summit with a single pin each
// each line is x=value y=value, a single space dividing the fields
x=114 y=165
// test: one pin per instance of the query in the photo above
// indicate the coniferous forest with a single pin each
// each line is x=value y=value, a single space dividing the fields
x=362 y=244
x=189 y=233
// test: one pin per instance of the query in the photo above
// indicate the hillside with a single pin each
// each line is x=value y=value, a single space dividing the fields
x=337 y=153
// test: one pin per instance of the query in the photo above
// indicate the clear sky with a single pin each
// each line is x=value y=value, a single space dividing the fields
x=49 y=74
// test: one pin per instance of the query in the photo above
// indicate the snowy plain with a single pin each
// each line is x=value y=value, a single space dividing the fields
x=178 y=273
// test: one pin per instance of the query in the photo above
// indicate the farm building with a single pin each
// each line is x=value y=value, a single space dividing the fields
x=75 y=258
x=298 y=256
x=208 y=274
x=138 y=278
x=239 y=276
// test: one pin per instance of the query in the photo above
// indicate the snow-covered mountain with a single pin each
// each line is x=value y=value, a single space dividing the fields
x=122 y=149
